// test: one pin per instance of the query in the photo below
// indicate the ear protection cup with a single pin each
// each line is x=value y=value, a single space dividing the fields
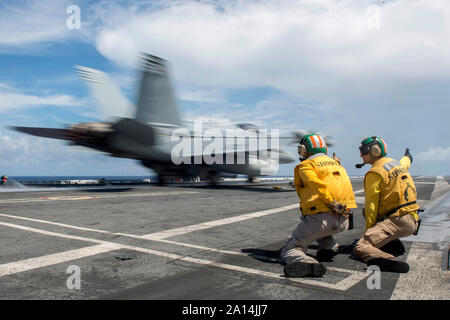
x=375 y=151
x=301 y=150
x=375 y=145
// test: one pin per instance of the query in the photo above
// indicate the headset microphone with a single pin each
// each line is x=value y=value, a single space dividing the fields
x=359 y=165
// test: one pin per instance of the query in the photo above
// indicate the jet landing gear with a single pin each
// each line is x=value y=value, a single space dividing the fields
x=253 y=179
x=162 y=180
x=213 y=180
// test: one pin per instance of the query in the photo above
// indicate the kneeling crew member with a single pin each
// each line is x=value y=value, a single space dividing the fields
x=390 y=206
x=326 y=196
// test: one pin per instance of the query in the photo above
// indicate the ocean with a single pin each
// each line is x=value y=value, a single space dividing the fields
x=53 y=178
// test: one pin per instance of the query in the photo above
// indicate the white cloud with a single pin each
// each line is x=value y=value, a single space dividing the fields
x=438 y=154
x=211 y=120
x=25 y=23
x=11 y=99
x=304 y=47
x=357 y=81
x=5 y=86
x=203 y=95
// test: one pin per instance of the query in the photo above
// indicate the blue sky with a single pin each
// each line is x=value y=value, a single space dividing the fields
x=348 y=68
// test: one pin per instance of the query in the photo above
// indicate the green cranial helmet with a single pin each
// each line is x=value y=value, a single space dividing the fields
x=314 y=144
x=368 y=143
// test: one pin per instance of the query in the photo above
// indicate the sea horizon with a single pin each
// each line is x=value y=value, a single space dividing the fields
x=125 y=177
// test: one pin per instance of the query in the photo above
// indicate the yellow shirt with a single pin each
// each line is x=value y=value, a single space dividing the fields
x=319 y=180
x=372 y=193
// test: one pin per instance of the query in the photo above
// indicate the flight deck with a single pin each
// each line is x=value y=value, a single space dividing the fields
x=197 y=242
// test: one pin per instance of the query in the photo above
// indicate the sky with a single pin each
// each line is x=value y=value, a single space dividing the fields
x=347 y=68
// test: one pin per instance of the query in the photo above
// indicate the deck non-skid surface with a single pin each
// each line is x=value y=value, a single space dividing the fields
x=184 y=242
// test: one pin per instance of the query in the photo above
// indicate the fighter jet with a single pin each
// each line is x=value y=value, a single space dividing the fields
x=157 y=137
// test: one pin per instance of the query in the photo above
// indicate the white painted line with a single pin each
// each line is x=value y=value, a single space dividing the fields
x=49 y=233
x=425 y=279
x=94 y=197
x=138 y=237
x=70 y=198
x=341 y=286
x=105 y=246
x=236 y=253
x=126 y=235
x=350 y=281
x=59 y=224
x=360 y=200
x=52 y=259
x=424 y=182
x=157 y=236
x=358 y=191
x=215 y=223
x=441 y=187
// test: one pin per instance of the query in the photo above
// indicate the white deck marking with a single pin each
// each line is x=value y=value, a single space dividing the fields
x=358 y=191
x=52 y=259
x=56 y=224
x=441 y=187
x=49 y=233
x=425 y=280
x=215 y=223
x=105 y=246
x=424 y=182
x=360 y=200
x=70 y=226
x=126 y=235
x=94 y=197
x=342 y=285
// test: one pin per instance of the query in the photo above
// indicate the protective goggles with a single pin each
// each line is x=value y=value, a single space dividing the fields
x=366 y=145
x=364 y=149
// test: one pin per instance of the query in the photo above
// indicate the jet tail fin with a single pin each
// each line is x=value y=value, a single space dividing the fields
x=106 y=93
x=156 y=101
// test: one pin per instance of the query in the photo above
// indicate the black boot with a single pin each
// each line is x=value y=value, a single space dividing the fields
x=395 y=247
x=325 y=255
x=389 y=265
x=303 y=269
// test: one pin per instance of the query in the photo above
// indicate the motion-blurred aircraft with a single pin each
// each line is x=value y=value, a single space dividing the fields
x=156 y=131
